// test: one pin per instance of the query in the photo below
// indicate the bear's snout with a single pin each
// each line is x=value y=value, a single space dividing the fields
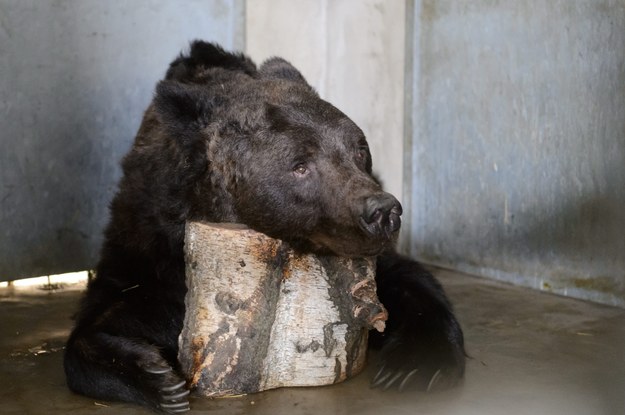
x=380 y=216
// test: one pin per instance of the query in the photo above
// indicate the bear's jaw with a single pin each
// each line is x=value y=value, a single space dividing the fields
x=351 y=243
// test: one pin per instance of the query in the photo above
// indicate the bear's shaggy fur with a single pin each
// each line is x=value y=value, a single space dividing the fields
x=225 y=141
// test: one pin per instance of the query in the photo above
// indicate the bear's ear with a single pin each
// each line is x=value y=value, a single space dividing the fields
x=183 y=107
x=204 y=55
x=278 y=68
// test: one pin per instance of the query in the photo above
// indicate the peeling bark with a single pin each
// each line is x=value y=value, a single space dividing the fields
x=260 y=316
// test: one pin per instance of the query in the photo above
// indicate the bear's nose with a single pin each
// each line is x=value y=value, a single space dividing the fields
x=380 y=216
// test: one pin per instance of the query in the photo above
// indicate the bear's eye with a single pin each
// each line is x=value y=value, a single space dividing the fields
x=362 y=153
x=300 y=170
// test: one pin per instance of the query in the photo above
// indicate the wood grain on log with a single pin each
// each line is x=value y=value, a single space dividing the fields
x=260 y=316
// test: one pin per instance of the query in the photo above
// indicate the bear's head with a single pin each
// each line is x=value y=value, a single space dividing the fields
x=266 y=151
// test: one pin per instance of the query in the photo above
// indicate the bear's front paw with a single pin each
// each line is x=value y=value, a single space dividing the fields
x=420 y=360
x=171 y=390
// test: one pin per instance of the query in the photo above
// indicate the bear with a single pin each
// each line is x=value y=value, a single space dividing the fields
x=225 y=140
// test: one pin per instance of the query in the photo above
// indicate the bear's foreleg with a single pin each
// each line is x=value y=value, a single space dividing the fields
x=423 y=344
x=123 y=367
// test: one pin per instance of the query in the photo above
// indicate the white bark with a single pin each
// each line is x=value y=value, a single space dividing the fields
x=260 y=316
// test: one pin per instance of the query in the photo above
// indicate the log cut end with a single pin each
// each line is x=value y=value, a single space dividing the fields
x=260 y=316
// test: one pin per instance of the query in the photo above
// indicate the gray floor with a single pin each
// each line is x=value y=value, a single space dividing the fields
x=532 y=353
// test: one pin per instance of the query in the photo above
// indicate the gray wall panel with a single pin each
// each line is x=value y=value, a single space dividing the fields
x=75 y=79
x=518 y=142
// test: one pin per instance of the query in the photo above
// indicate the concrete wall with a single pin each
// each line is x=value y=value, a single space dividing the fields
x=514 y=161
x=76 y=77
x=352 y=53
x=517 y=167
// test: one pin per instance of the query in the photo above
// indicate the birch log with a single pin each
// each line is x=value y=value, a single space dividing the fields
x=259 y=316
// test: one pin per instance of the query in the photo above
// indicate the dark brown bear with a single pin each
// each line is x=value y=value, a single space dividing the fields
x=225 y=141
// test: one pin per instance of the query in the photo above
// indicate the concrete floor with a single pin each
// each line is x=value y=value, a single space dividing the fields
x=532 y=353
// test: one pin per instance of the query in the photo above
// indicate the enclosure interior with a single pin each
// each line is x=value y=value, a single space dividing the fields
x=499 y=125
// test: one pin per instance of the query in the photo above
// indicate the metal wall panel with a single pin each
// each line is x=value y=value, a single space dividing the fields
x=75 y=79
x=517 y=161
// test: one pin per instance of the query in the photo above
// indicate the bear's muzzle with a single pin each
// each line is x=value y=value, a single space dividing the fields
x=380 y=217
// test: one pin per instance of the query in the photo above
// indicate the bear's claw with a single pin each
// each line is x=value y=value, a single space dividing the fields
x=176 y=408
x=176 y=401
x=392 y=380
x=402 y=368
x=158 y=370
x=173 y=387
x=176 y=396
x=436 y=377
x=406 y=380
x=424 y=380
x=167 y=388
x=387 y=379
